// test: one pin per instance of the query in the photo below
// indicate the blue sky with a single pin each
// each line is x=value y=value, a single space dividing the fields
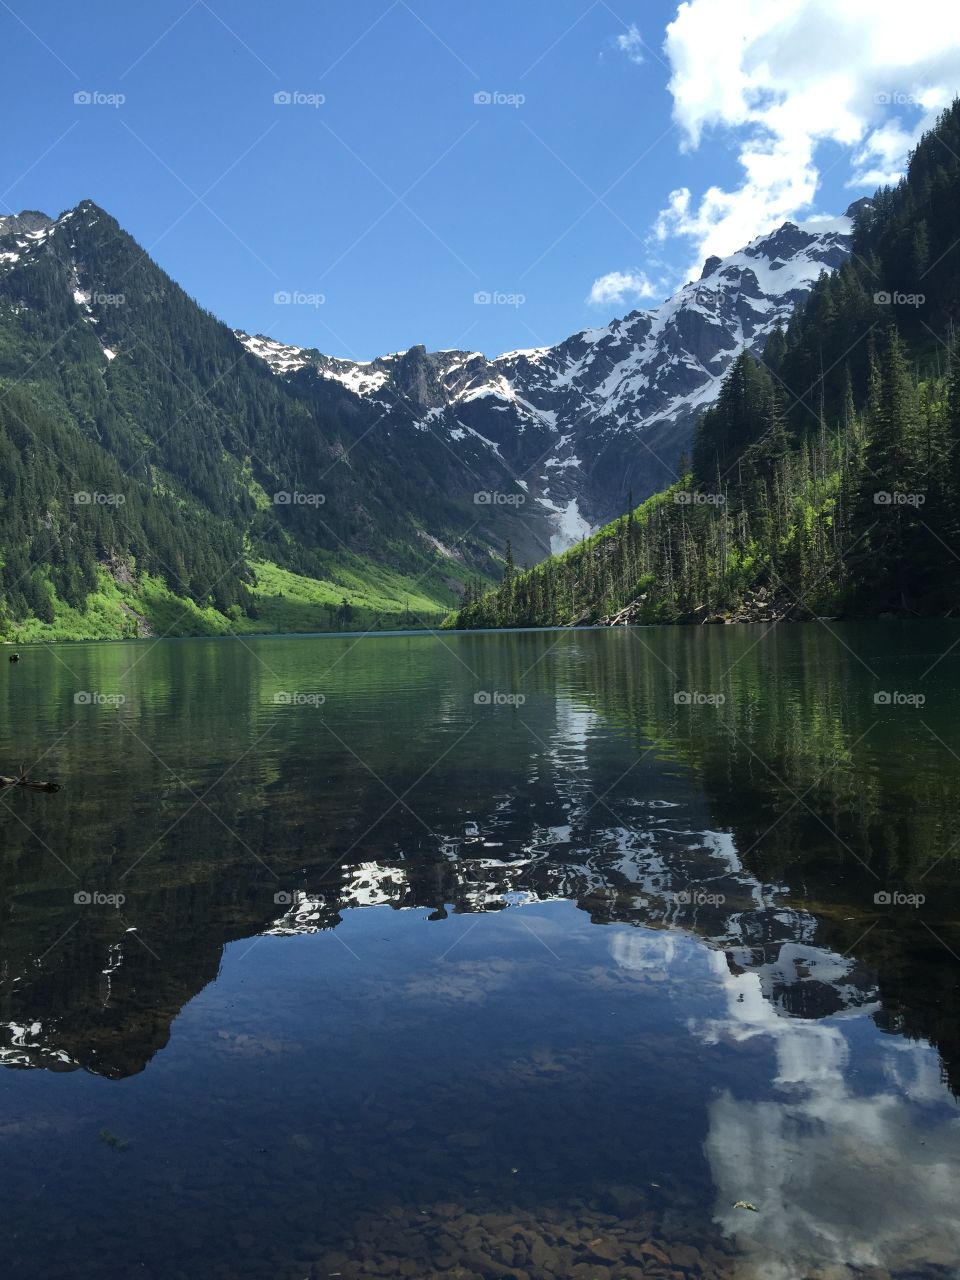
x=399 y=198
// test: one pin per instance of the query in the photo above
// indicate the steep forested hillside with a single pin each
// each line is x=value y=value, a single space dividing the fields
x=826 y=478
x=142 y=449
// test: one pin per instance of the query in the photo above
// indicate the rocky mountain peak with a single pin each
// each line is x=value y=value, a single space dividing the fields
x=607 y=412
x=858 y=206
x=23 y=223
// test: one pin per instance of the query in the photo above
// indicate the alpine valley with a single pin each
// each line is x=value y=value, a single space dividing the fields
x=607 y=412
x=164 y=474
x=824 y=480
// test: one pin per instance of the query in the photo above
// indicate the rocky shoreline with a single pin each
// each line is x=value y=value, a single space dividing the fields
x=761 y=605
x=580 y=1242
x=618 y=1238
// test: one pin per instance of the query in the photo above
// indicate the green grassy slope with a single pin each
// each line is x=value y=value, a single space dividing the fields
x=376 y=597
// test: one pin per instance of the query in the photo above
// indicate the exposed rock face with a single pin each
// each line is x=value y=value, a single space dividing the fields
x=23 y=223
x=537 y=446
x=609 y=411
x=78 y=289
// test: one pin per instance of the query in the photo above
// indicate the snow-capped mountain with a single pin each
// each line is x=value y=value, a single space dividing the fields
x=77 y=291
x=535 y=446
x=609 y=411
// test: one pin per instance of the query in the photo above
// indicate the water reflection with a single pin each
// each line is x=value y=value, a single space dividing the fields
x=104 y=995
x=599 y=887
x=861 y=1171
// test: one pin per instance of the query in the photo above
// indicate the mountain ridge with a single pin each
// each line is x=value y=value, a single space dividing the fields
x=212 y=444
x=190 y=460
x=825 y=480
x=608 y=410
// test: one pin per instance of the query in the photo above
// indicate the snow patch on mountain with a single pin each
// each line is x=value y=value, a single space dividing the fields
x=571 y=525
x=607 y=412
x=280 y=357
x=22 y=238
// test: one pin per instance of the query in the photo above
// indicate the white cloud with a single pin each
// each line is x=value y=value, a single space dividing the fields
x=618 y=287
x=783 y=79
x=631 y=43
x=812 y=1117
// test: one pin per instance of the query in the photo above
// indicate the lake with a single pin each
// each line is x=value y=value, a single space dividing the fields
x=600 y=954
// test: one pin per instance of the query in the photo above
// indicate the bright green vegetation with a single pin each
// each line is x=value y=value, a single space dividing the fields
x=141 y=449
x=115 y=611
x=358 y=596
x=825 y=480
x=376 y=595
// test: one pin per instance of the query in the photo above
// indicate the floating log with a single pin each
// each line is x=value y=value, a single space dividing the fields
x=21 y=780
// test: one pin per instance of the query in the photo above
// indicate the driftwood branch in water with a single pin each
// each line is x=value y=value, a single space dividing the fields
x=21 y=780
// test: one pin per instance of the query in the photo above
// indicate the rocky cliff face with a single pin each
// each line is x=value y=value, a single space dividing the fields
x=608 y=412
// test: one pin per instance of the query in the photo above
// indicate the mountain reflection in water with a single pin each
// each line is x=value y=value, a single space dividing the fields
x=380 y=914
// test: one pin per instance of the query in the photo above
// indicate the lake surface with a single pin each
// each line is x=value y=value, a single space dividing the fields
x=600 y=954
